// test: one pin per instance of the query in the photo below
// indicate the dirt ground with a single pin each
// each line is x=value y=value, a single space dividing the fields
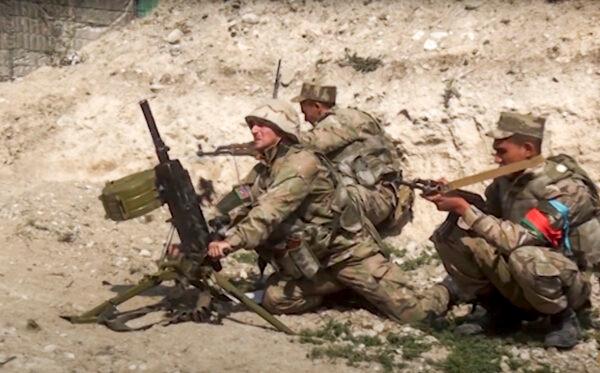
x=447 y=69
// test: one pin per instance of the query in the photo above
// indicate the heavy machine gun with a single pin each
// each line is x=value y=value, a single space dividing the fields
x=171 y=186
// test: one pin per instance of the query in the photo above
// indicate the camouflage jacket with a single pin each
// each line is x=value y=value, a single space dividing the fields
x=291 y=192
x=339 y=129
x=356 y=143
x=508 y=201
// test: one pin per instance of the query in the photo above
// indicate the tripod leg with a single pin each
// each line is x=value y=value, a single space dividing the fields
x=253 y=306
x=146 y=283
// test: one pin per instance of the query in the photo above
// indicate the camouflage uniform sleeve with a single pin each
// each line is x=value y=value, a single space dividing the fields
x=290 y=187
x=507 y=235
x=330 y=135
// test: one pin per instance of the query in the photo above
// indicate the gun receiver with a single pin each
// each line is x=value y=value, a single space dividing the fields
x=428 y=187
x=431 y=187
x=236 y=149
x=176 y=190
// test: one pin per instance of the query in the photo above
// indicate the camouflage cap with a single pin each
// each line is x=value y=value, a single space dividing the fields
x=278 y=115
x=511 y=124
x=315 y=92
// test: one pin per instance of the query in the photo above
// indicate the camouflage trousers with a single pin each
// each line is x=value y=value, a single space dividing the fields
x=532 y=278
x=385 y=204
x=375 y=278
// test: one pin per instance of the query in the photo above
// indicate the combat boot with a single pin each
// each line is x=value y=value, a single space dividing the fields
x=565 y=331
x=448 y=294
x=495 y=315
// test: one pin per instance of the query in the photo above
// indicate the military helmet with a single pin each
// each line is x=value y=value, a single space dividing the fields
x=278 y=115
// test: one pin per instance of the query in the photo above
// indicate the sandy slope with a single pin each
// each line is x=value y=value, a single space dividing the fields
x=64 y=131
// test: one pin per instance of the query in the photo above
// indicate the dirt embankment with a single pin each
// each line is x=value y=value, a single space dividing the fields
x=447 y=70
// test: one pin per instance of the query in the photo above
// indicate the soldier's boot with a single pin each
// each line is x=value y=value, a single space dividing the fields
x=499 y=317
x=565 y=331
x=449 y=291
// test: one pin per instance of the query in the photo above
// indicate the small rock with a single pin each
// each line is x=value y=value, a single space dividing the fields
x=378 y=327
x=145 y=253
x=524 y=355
x=155 y=87
x=33 y=325
x=430 y=45
x=175 y=50
x=250 y=18
x=418 y=35
x=70 y=355
x=439 y=35
x=175 y=36
x=504 y=367
x=147 y=240
x=50 y=348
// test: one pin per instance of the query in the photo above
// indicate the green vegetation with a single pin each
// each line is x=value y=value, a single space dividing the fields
x=388 y=250
x=360 y=64
x=336 y=341
x=471 y=354
x=412 y=346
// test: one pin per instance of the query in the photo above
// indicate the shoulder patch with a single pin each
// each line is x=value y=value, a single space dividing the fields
x=561 y=168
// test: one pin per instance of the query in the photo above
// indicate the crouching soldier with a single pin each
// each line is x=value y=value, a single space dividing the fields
x=292 y=207
x=525 y=253
x=363 y=154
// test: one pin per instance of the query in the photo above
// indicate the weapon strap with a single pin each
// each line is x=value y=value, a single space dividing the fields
x=496 y=172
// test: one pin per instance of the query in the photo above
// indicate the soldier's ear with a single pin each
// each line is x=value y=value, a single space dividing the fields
x=530 y=148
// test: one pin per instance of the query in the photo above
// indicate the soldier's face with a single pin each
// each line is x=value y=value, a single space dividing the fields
x=507 y=152
x=264 y=136
x=311 y=111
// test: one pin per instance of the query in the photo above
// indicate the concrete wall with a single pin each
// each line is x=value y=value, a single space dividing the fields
x=36 y=33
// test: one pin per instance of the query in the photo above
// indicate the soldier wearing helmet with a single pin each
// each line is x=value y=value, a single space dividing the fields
x=290 y=201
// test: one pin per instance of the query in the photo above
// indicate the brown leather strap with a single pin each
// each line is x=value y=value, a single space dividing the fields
x=496 y=172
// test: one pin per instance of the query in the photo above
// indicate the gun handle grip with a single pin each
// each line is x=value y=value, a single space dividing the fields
x=216 y=265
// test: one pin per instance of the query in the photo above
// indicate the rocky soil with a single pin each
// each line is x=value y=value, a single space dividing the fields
x=446 y=69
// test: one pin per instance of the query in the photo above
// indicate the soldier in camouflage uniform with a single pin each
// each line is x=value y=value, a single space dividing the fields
x=290 y=201
x=530 y=245
x=365 y=156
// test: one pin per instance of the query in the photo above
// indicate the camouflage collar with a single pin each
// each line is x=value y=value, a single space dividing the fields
x=328 y=113
x=274 y=152
x=528 y=175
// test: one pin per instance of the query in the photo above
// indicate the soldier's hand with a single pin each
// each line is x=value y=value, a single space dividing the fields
x=219 y=249
x=450 y=203
x=173 y=250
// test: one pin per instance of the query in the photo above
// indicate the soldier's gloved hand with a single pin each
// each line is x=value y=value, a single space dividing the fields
x=219 y=249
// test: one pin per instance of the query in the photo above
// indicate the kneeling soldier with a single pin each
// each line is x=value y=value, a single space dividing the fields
x=363 y=154
x=290 y=218
x=528 y=248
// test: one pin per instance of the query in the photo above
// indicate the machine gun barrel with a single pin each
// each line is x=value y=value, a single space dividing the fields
x=162 y=151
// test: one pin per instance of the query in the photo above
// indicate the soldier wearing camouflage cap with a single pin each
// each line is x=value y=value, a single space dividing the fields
x=286 y=215
x=362 y=152
x=524 y=254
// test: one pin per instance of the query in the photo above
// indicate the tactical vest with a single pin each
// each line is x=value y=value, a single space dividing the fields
x=300 y=245
x=529 y=190
x=370 y=161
